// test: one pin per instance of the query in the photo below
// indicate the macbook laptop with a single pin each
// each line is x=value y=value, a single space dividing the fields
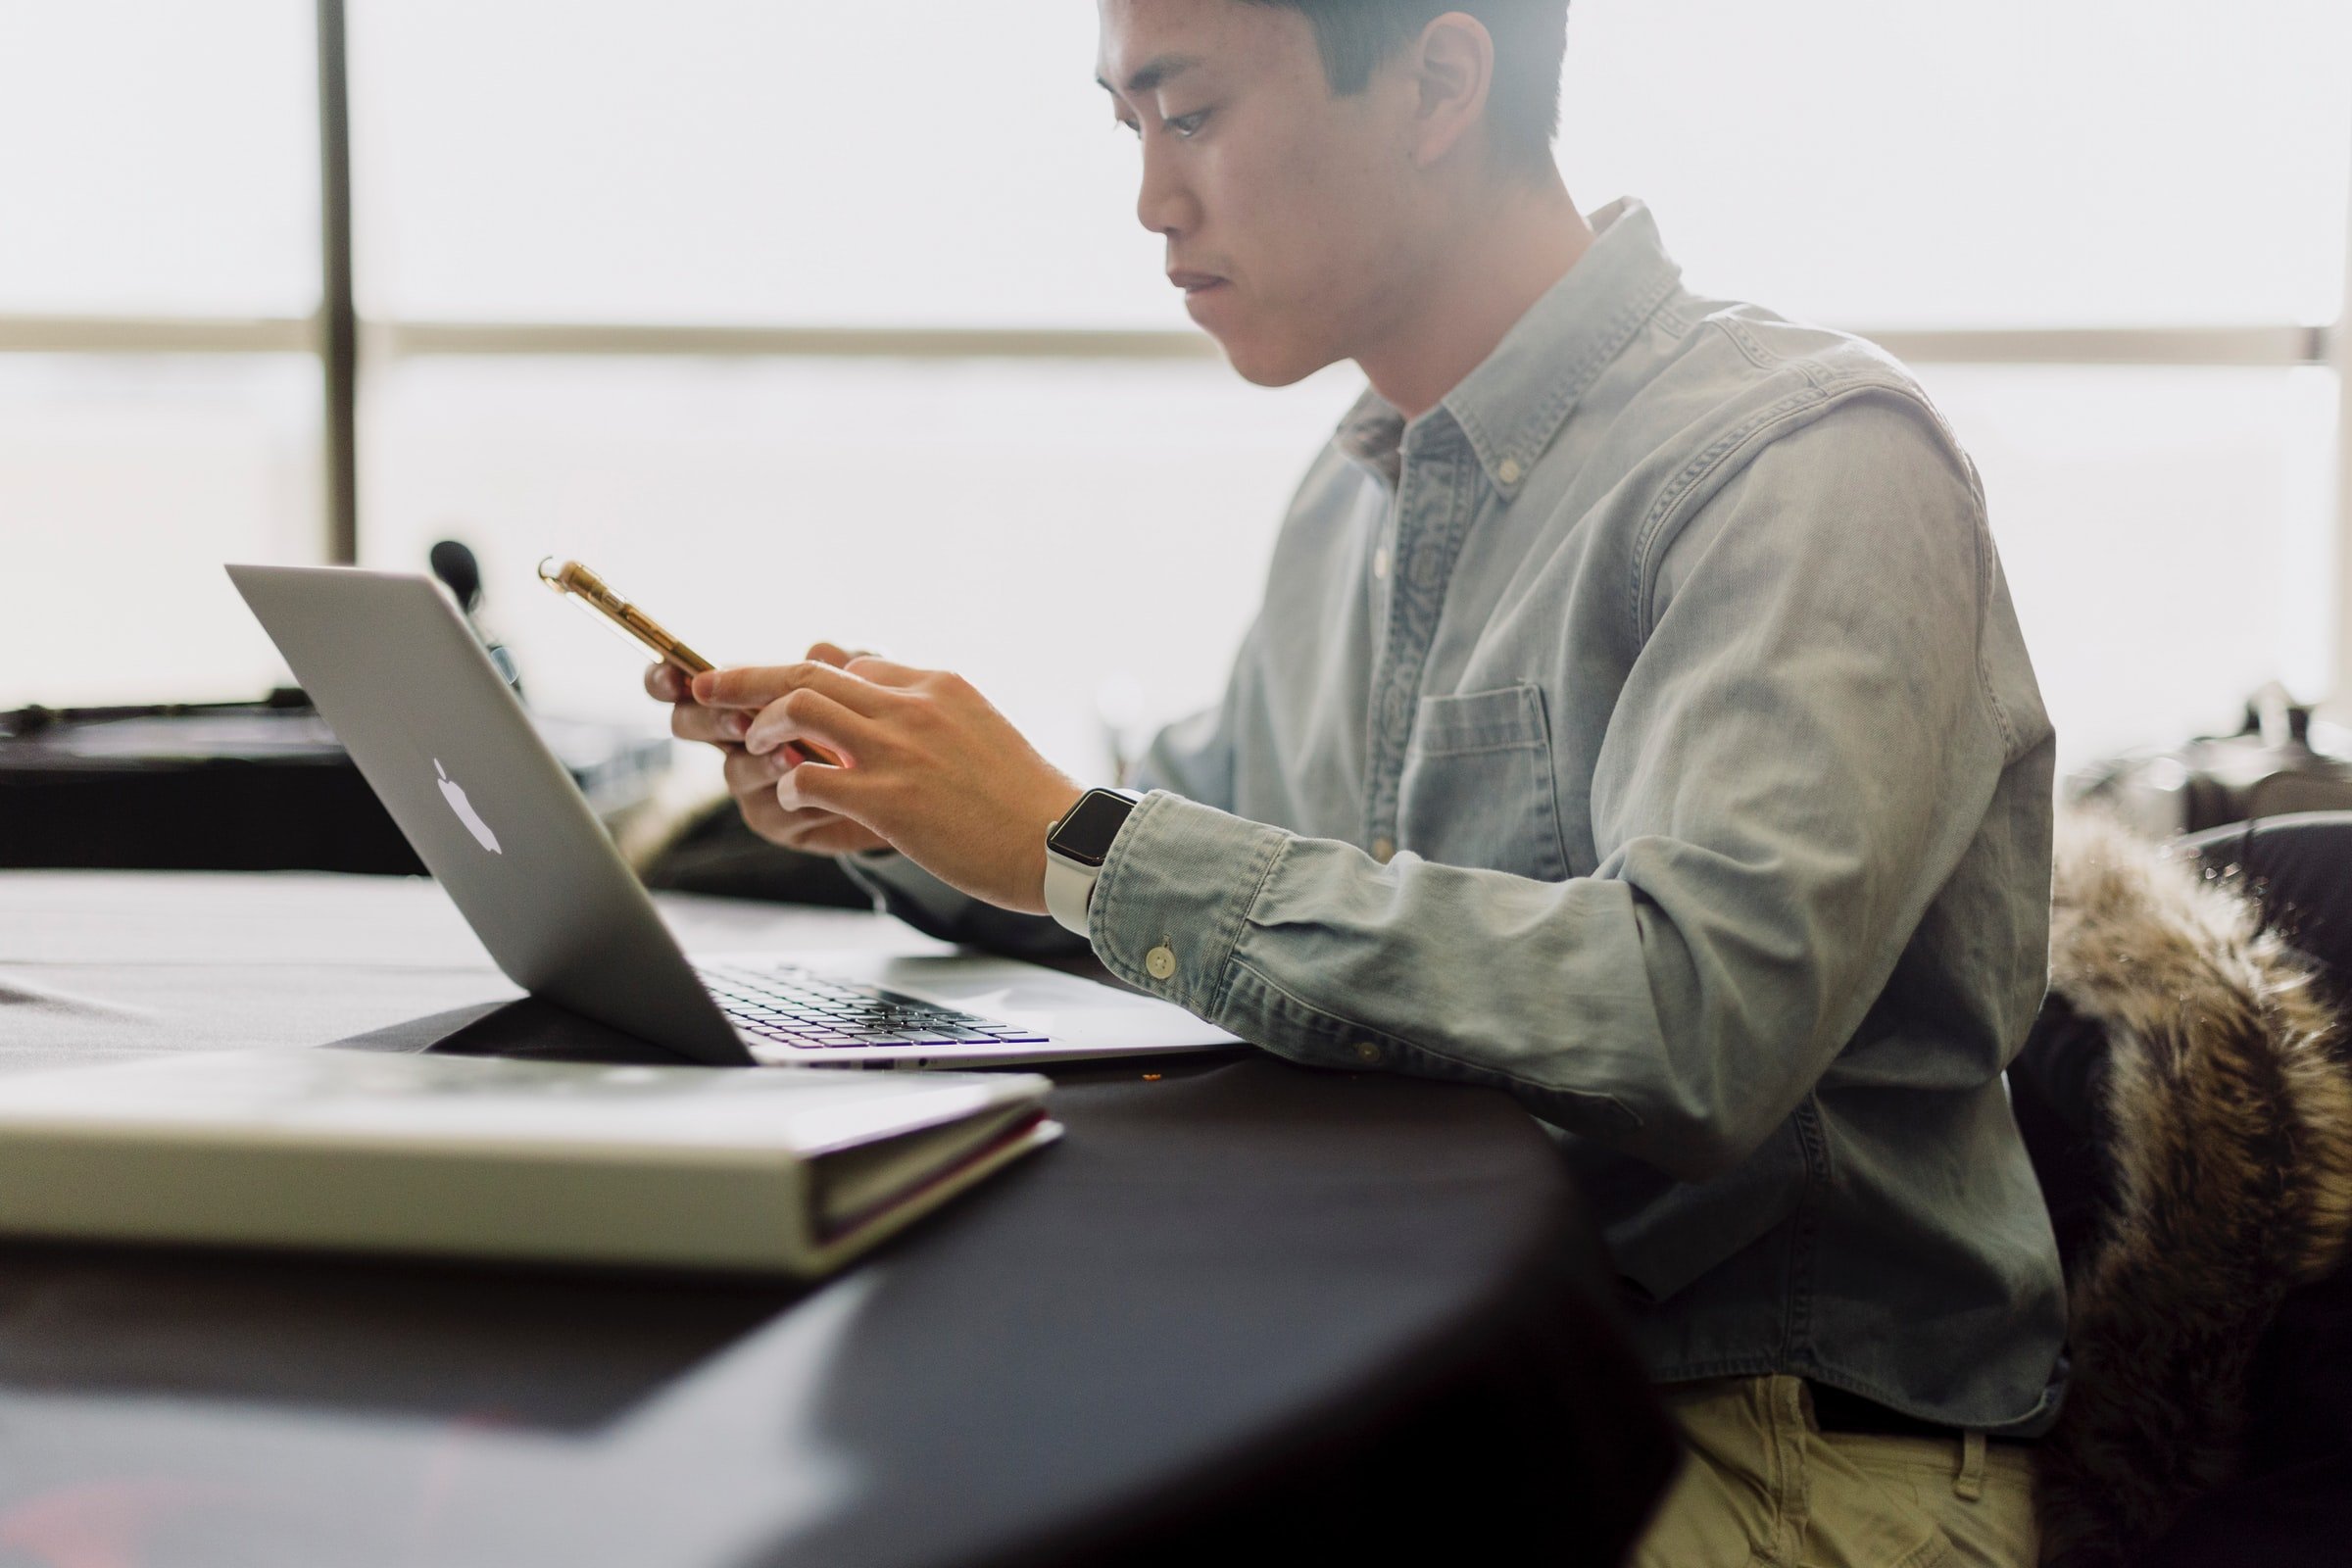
x=437 y=733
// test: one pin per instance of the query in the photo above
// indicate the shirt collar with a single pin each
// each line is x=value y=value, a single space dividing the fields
x=1520 y=395
x=1372 y=432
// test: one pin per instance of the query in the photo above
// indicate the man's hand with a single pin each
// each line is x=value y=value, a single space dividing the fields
x=927 y=766
x=750 y=779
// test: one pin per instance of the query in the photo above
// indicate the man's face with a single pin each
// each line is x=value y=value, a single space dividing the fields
x=1290 y=214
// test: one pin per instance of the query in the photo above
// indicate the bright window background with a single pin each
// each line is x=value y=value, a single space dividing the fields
x=124 y=482
x=1081 y=539
x=158 y=157
x=931 y=161
x=763 y=162
x=2166 y=534
x=2011 y=163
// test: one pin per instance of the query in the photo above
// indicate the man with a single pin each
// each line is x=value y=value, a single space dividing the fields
x=1637 y=722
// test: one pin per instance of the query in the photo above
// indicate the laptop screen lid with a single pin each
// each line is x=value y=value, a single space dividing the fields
x=413 y=696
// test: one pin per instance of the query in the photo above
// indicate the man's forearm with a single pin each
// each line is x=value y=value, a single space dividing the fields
x=1674 y=1007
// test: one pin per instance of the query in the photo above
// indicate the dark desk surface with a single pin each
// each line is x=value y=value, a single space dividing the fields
x=1333 y=1312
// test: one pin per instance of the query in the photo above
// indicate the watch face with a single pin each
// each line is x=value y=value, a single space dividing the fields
x=1085 y=835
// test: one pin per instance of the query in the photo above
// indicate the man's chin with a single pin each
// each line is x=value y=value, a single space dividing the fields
x=1269 y=364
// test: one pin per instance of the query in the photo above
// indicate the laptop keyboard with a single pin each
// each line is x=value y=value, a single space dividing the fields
x=791 y=1006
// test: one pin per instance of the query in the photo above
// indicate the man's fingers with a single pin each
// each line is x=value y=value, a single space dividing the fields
x=835 y=655
x=756 y=784
x=663 y=683
x=749 y=774
x=759 y=685
x=809 y=714
x=815 y=787
x=765 y=815
x=718 y=726
x=817 y=832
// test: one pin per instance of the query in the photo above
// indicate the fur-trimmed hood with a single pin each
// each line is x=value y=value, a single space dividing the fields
x=2222 y=1112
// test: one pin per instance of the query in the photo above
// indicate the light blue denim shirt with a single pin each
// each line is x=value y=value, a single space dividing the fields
x=1645 y=731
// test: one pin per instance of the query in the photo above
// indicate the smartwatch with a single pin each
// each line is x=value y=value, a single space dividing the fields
x=1075 y=848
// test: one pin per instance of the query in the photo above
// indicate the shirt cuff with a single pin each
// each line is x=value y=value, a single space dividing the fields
x=1174 y=894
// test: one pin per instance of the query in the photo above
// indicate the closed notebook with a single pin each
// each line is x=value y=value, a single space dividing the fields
x=776 y=1172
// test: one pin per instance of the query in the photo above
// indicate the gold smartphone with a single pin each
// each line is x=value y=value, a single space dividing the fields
x=591 y=592
x=587 y=589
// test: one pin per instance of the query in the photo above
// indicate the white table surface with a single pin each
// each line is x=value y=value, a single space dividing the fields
x=98 y=963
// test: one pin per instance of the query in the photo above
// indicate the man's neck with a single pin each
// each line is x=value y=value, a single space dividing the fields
x=1473 y=293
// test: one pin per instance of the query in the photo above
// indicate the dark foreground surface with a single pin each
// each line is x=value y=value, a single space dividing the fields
x=1240 y=1305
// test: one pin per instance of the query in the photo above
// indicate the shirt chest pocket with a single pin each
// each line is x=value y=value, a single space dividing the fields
x=1477 y=787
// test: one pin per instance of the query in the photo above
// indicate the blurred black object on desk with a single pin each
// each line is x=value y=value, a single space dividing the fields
x=462 y=575
x=2279 y=763
x=710 y=851
x=241 y=787
x=256 y=786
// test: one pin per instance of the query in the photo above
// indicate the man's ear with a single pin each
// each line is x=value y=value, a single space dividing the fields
x=1452 y=69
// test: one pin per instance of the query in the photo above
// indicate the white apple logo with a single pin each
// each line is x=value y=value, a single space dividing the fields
x=466 y=815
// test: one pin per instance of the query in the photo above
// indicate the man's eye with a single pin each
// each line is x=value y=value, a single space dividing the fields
x=1184 y=125
x=1135 y=126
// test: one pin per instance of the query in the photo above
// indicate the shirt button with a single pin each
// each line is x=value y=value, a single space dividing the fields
x=1380 y=563
x=1382 y=848
x=1159 y=964
x=1366 y=1052
x=1507 y=470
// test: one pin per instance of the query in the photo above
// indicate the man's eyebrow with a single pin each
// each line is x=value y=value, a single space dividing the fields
x=1153 y=72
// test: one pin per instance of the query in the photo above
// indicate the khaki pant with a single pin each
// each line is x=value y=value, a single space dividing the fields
x=1763 y=1484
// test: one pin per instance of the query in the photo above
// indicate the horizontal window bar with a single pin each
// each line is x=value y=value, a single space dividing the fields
x=2109 y=345
x=135 y=334
x=85 y=334
x=398 y=338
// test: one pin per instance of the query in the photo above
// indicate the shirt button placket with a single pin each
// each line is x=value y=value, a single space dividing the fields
x=1413 y=563
x=1394 y=714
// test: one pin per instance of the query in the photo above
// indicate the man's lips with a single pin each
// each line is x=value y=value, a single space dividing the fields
x=1194 y=283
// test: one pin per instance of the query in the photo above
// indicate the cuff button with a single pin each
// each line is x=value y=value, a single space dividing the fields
x=1366 y=1052
x=1159 y=964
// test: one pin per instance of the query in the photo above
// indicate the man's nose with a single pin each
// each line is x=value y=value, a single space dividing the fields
x=1164 y=205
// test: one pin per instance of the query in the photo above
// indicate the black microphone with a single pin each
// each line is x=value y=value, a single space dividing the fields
x=462 y=575
x=456 y=566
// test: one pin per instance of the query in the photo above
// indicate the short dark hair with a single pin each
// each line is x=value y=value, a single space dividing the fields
x=1523 y=107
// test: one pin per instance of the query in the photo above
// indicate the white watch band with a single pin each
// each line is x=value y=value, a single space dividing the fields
x=1069 y=889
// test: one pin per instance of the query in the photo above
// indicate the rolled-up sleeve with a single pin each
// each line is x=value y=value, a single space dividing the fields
x=1804 y=747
